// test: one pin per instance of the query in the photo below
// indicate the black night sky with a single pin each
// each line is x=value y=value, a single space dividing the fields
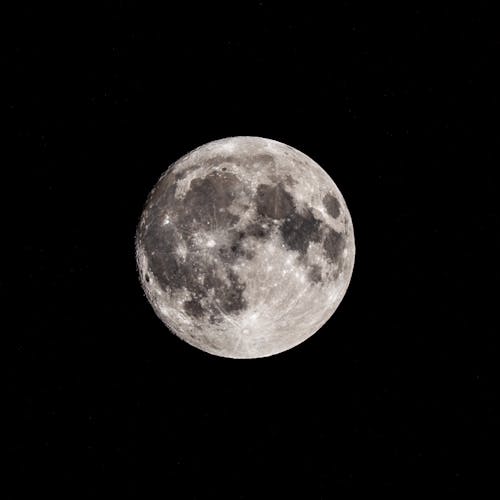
x=396 y=393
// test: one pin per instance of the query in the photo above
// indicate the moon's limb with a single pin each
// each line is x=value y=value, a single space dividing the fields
x=245 y=247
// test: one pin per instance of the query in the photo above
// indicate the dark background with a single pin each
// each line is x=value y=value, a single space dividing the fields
x=398 y=103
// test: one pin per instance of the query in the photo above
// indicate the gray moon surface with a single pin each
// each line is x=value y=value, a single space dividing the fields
x=245 y=247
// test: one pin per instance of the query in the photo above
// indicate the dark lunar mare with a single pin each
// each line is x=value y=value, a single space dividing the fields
x=334 y=244
x=314 y=273
x=204 y=207
x=299 y=230
x=205 y=203
x=200 y=211
x=332 y=205
x=274 y=201
x=173 y=273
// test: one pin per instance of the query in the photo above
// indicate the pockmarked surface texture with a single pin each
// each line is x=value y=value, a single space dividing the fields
x=245 y=247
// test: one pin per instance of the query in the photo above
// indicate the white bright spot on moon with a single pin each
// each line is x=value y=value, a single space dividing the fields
x=182 y=251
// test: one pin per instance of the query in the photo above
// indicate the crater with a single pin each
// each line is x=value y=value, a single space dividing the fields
x=332 y=205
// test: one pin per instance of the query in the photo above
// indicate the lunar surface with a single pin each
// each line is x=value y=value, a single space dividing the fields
x=245 y=247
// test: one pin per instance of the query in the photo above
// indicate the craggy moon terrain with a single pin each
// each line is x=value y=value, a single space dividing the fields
x=245 y=247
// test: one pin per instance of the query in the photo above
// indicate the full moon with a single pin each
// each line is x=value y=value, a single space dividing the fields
x=245 y=247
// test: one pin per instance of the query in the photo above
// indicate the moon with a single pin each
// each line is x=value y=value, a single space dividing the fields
x=245 y=247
